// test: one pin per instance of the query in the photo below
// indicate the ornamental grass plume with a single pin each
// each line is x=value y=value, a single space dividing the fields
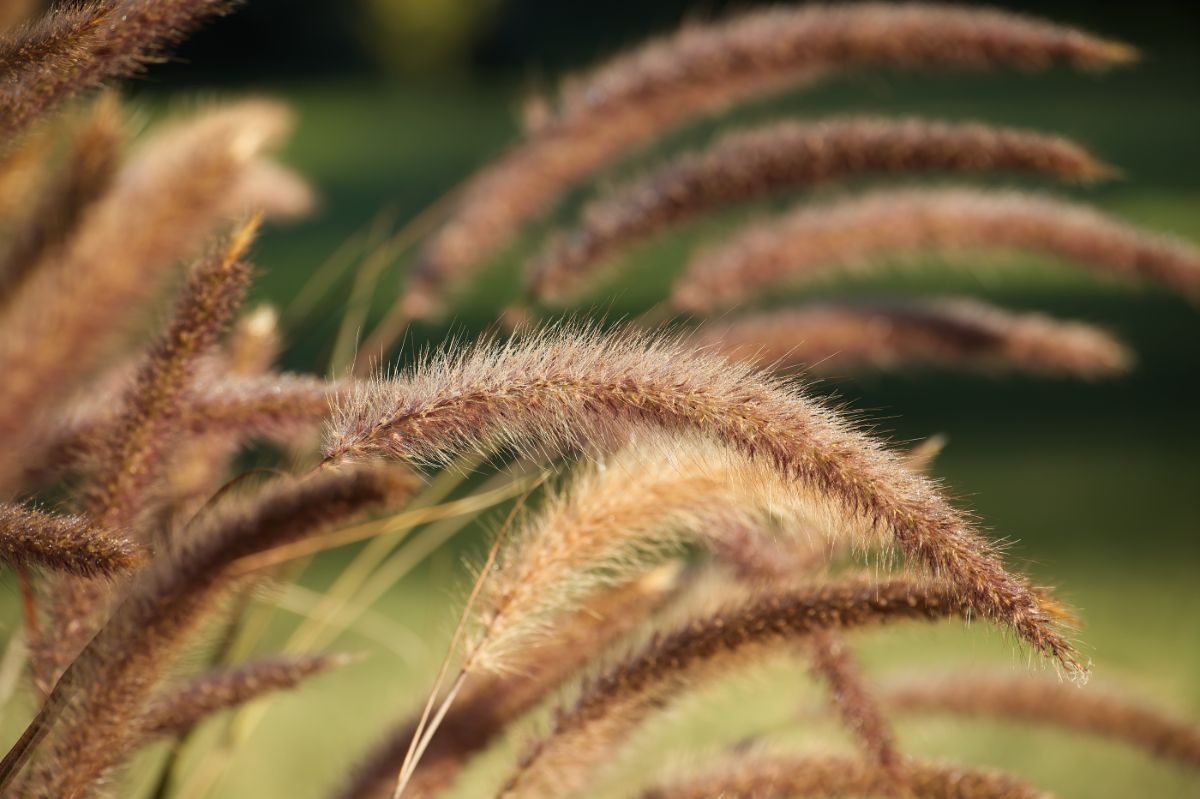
x=856 y=705
x=588 y=732
x=79 y=47
x=83 y=176
x=66 y=316
x=202 y=463
x=561 y=389
x=129 y=462
x=129 y=459
x=865 y=231
x=272 y=407
x=749 y=164
x=642 y=95
x=181 y=706
x=618 y=517
x=64 y=543
x=768 y=775
x=838 y=338
x=1019 y=698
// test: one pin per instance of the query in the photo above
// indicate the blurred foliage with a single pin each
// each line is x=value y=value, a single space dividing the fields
x=422 y=35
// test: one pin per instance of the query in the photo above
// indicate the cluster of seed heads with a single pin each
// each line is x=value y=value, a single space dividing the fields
x=715 y=507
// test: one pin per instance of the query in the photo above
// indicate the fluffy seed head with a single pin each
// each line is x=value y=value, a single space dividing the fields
x=816 y=241
x=837 y=338
x=66 y=317
x=597 y=726
x=181 y=706
x=69 y=544
x=765 y=775
x=80 y=47
x=1091 y=710
x=749 y=164
x=568 y=389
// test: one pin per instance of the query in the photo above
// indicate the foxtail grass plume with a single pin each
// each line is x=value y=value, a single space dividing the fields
x=85 y=173
x=642 y=95
x=59 y=34
x=839 y=338
x=619 y=515
x=749 y=164
x=1092 y=710
x=204 y=461
x=767 y=775
x=130 y=459
x=587 y=733
x=270 y=188
x=70 y=311
x=563 y=389
x=79 y=47
x=181 y=706
x=856 y=234
x=63 y=543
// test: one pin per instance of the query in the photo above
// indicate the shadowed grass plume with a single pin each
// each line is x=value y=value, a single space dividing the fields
x=836 y=338
x=70 y=311
x=590 y=731
x=855 y=234
x=764 y=775
x=1017 y=698
x=83 y=176
x=857 y=706
x=128 y=462
x=181 y=706
x=749 y=164
x=130 y=458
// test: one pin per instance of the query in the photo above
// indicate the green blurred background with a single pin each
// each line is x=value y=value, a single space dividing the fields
x=1096 y=485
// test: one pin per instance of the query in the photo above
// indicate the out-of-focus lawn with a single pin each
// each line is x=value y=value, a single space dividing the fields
x=1097 y=482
